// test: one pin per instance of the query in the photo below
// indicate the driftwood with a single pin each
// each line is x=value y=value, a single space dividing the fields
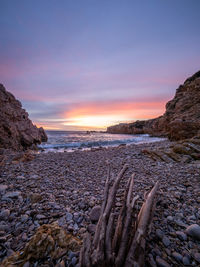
x=119 y=241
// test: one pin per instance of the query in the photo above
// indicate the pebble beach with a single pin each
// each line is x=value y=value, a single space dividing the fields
x=67 y=188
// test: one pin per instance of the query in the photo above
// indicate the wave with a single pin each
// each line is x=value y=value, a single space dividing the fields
x=102 y=143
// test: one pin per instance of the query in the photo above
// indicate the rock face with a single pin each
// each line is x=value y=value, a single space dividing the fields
x=181 y=119
x=16 y=129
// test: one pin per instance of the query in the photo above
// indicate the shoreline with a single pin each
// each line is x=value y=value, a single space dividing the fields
x=64 y=187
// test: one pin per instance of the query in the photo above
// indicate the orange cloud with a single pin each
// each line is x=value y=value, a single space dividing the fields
x=104 y=114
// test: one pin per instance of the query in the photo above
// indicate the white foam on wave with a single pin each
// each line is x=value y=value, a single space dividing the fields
x=69 y=141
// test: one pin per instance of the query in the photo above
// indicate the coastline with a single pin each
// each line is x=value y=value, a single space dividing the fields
x=64 y=187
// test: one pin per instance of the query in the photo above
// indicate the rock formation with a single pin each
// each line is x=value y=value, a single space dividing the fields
x=16 y=130
x=181 y=119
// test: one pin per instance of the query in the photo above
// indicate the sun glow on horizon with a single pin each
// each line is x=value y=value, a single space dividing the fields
x=98 y=116
x=96 y=121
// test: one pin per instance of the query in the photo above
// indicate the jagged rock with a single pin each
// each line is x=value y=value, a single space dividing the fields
x=50 y=241
x=16 y=129
x=181 y=119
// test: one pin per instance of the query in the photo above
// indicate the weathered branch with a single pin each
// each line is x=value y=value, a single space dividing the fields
x=121 y=242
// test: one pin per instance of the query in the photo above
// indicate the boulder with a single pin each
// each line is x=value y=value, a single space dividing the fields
x=17 y=131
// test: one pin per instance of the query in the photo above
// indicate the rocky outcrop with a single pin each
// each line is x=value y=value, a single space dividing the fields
x=16 y=130
x=181 y=119
x=184 y=151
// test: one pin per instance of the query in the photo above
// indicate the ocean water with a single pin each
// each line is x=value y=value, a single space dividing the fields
x=68 y=141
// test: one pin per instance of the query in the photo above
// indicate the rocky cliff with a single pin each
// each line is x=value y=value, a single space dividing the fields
x=181 y=119
x=16 y=129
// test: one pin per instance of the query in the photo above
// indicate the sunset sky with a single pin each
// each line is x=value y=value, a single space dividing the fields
x=80 y=64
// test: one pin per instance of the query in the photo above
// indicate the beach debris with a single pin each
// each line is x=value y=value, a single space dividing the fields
x=119 y=241
x=49 y=242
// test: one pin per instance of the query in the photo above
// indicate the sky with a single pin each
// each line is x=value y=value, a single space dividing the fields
x=89 y=64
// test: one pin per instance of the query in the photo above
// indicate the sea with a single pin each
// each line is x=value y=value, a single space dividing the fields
x=69 y=141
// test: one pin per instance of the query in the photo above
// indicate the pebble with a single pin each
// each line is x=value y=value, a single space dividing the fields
x=95 y=213
x=24 y=218
x=3 y=188
x=26 y=264
x=76 y=227
x=91 y=228
x=24 y=237
x=166 y=241
x=194 y=231
x=170 y=218
x=69 y=216
x=40 y=217
x=161 y=263
x=14 y=194
x=74 y=261
x=159 y=233
x=4 y=214
x=186 y=260
x=35 y=197
x=197 y=256
x=178 y=257
x=182 y=236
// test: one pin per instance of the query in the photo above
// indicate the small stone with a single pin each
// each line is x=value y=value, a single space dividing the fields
x=159 y=233
x=35 y=176
x=69 y=216
x=156 y=252
x=161 y=263
x=26 y=264
x=60 y=264
x=95 y=213
x=40 y=217
x=82 y=230
x=76 y=216
x=182 y=236
x=76 y=227
x=177 y=256
x=24 y=237
x=2 y=239
x=3 y=188
x=4 y=214
x=151 y=260
x=194 y=231
x=74 y=261
x=190 y=244
x=4 y=227
x=71 y=255
x=24 y=218
x=9 y=252
x=14 y=194
x=186 y=260
x=192 y=218
x=166 y=241
x=197 y=256
x=20 y=177
x=170 y=218
x=91 y=228
x=61 y=221
x=35 y=197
